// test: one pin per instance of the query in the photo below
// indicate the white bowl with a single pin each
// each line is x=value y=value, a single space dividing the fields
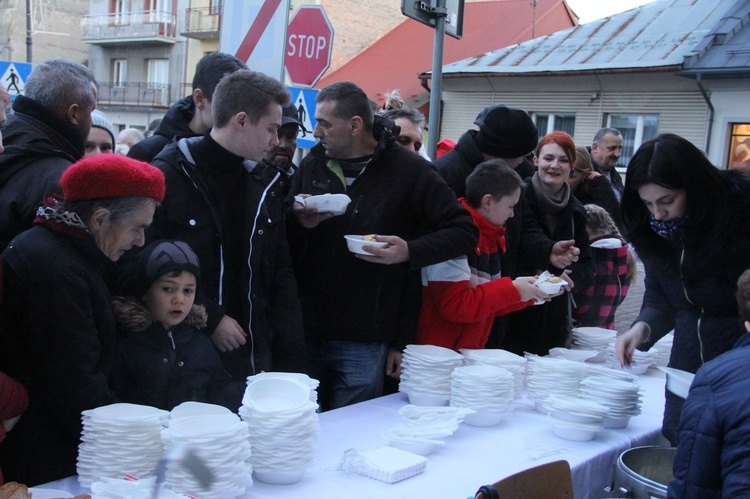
x=334 y=203
x=279 y=477
x=550 y=288
x=428 y=399
x=356 y=243
x=276 y=394
x=616 y=423
x=574 y=433
x=573 y=417
x=678 y=381
x=484 y=418
x=639 y=368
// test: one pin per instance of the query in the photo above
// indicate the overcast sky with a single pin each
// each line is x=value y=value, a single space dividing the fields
x=591 y=10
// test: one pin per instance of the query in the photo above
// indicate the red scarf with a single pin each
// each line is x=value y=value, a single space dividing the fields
x=490 y=236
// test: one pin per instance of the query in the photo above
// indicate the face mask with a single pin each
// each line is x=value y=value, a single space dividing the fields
x=671 y=229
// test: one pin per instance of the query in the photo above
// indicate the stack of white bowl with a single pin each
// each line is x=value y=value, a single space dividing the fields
x=219 y=441
x=623 y=398
x=594 y=370
x=593 y=338
x=120 y=439
x=192 y=409
x=426 y=374
x=576 y=355
x=500 y=358
x=283 y=428
x=575 y=418
x=488 y=390
x=547 y=376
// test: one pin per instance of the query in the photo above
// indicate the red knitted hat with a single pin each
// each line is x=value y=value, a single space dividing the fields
x=111 y=176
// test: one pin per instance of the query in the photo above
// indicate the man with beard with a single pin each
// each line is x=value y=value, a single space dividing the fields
x=45 y=134
x=605 y=153
x=283 y=154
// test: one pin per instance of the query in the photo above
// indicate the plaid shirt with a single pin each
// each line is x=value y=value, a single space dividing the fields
x=598 y=302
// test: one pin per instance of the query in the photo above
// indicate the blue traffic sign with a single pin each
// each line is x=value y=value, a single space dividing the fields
x=304 y=99
x=13 y=76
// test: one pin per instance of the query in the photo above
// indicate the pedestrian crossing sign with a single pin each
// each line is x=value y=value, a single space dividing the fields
x=304 y=99
x=14 y=76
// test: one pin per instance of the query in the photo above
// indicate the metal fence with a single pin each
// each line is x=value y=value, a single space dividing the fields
x=147 y=94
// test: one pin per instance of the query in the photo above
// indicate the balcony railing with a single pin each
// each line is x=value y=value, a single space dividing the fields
x=130 y=26
x=202 y=22
x=144 y=94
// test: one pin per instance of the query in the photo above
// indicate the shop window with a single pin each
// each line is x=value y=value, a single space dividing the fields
x=739 y=147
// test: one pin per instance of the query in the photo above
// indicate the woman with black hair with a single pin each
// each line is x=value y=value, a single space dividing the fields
x=690 y=225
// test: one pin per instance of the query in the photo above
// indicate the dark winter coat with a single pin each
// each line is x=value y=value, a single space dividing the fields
x=714 y=450
x=537 y=329
x=600 y=192
x=176 y=123
x=163 y=368
x=38 y=148
x=60 y=328
x=691 y=286
x=272 y=316
x=398 y=193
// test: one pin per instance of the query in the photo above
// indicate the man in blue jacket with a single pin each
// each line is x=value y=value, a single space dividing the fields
x=714 y=450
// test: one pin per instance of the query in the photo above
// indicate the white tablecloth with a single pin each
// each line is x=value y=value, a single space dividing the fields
x=471 y=457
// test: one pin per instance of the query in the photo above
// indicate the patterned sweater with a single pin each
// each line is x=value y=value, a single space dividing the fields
x=461 y=297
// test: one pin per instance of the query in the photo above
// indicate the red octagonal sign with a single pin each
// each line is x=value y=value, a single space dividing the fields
x=309 y=42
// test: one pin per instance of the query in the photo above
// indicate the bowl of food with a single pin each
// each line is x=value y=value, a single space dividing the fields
x=355 y=243
x=678 y=381
x=552 y=285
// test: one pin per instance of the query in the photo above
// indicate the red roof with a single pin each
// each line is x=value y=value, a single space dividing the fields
x=394 y=61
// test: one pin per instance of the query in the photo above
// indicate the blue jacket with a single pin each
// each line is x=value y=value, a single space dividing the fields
x=714 y=451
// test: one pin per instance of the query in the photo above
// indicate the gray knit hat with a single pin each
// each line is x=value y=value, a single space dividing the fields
x=99 y=120
x=161 y=257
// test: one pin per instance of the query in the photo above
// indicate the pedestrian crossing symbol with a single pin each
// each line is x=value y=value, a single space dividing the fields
x=304 y=99
x=14 y=76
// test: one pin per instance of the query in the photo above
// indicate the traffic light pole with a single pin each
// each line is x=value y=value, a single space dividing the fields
x=436 y=89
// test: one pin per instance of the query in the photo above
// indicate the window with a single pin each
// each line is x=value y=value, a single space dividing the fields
x=158 y=73
x=122 y=11
x=739 y=147
x=636 y=129
x=215 y=8
x=547 y=123
x=119 y=72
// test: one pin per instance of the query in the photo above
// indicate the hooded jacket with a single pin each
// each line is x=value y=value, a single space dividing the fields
x=38 y=148
x=176 y=123
x=398 y=193
x=163 y=368
x=712 y=456
x=271 y=316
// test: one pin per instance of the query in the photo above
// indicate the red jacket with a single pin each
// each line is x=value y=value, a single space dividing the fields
x=461 y=297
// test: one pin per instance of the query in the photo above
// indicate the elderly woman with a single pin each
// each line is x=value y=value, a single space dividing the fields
x=562 y=217
x=57 y=318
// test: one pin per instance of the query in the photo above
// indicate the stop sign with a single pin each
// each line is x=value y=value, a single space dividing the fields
x=309 y=42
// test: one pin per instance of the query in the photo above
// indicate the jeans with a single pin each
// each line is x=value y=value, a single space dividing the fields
x=348 y=371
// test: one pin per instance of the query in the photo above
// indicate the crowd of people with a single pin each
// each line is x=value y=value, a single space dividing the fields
x=175 y=269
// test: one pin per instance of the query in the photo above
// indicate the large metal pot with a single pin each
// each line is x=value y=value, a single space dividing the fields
x=644 y=472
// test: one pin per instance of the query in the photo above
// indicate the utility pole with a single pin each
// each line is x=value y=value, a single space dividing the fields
x=28 y=31
x=533 y=18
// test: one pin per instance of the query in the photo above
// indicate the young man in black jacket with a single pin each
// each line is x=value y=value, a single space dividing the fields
x=228 y=205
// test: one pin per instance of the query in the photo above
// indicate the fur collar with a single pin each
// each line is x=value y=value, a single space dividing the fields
x=134 y=317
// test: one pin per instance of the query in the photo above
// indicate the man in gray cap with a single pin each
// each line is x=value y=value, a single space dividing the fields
x=283 y=154
x=505 y=133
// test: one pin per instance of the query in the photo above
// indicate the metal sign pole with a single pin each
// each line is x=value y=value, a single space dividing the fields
x=437 y=79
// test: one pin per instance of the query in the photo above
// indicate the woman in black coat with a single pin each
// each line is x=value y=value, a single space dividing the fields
x=690 y=225
x=562 y=217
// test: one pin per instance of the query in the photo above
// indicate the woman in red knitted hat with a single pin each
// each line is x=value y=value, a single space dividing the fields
x=57 y=325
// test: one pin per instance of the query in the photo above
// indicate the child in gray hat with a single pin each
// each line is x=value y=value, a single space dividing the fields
x=163 y=358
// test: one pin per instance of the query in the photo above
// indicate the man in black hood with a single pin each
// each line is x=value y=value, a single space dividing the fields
x=190 y=116
x=44 y=136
